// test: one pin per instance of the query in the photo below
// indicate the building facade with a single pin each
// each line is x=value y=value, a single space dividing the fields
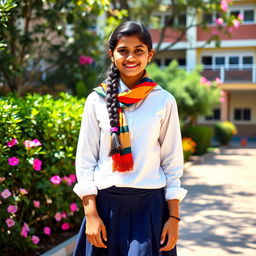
x=234 y=63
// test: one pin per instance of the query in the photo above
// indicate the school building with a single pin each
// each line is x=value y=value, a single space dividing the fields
x=234 y=63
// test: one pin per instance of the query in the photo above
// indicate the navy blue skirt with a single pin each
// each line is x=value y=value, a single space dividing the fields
x=134 y=219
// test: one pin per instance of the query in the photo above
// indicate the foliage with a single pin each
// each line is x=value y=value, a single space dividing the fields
x=224 y=131
x=189 y=147
x=194 y=96
x=46 y=36
x=202 y=136
x=37 y=154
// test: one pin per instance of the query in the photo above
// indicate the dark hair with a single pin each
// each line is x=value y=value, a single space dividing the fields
x=128 y=28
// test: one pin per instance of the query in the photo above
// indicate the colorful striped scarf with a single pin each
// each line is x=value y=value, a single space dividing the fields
x=123 y=161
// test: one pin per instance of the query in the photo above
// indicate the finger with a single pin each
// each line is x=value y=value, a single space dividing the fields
x=99 y=241
x=168 y=245
x=89 y=239
x=163 y=236
x=173 y=243
x=94 y=242
x=104 y=233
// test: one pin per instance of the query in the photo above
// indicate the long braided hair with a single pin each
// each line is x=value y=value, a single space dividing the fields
x=128 y=28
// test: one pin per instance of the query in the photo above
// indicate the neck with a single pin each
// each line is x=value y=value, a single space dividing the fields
x=130 y=81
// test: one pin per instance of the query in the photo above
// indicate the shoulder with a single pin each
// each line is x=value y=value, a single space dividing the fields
x=163 y=94
x=93 y=98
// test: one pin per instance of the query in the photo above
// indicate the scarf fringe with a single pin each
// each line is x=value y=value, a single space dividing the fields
x=122 y=163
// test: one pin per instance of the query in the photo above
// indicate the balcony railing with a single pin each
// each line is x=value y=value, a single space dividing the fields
x=231 y=74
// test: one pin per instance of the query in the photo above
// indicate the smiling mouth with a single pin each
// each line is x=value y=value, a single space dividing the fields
x=131 y=65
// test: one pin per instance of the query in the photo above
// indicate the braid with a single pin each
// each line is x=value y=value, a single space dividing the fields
x=113 y=105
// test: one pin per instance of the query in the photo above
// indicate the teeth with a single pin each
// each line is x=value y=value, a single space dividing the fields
x=130 y=66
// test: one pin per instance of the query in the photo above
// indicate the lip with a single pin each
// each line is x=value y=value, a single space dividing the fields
x=131 y=66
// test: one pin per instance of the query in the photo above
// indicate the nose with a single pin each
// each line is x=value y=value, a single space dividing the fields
x=130 y=56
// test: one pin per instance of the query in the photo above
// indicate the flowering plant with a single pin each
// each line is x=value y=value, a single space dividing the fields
x=189 y=147
x=37 y=154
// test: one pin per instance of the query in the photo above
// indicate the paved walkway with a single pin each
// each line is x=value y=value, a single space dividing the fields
x=219 y=212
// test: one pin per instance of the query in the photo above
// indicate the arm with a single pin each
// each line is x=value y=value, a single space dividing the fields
x=87 y=150
x=172 y=163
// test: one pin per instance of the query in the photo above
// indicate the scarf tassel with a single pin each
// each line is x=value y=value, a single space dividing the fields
x=122 y=163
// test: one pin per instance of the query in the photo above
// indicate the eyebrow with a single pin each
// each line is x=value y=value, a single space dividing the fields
x=137 y=46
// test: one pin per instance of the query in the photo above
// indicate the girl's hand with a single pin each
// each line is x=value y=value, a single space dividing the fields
x=171 y=229
x=94 y=227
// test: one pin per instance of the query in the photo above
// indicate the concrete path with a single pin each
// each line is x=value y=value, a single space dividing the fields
x=219 y=212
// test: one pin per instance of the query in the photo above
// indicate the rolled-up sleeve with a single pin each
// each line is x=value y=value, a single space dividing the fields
x=87 y=149
x=172 y=161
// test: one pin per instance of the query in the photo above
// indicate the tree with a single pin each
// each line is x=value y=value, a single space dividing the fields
x=144 y=10
x=36 y=31
x=195 y=96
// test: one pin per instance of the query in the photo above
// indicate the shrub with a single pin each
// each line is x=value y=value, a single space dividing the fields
x=224 y=131
x=202 y=136
x=189 y=147
x=37 y=154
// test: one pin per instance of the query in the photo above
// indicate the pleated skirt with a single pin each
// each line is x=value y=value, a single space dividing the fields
x=134 y=219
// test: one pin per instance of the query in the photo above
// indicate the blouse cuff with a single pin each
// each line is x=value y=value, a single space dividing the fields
x=85 y=189
x=175 y=193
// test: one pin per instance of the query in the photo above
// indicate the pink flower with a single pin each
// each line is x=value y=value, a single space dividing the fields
x=28 y=143
x=222 y=93
x=24 y=232
x=36 y=203
x=218 y=80
x=85 y=60
x=13 y=161
x=67 y=180
x=224 y=5
x=64 y=215
x=58 y=216
x=65 y=226
x=10 y=222
x=72 y=177
x=12 y=208
x=12 y=142
x=240 y=16
x=73 y=207
x=26 y=227
x=55 y=179
x=35 y=239
x=23 y=191
x=2 y=179
x=37 y=164
x=230 y=29
x=203 y=80
x=47 y=231
x=6 y=193
x=219 y=21
x=36 y=143
x=236 y=23
x=222 y=99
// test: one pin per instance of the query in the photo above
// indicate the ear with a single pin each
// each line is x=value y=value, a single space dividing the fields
x=110 y=54
x=151 y=54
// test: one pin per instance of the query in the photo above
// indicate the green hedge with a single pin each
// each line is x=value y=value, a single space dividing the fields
x=202 y=136
x=30 y=202
x=224 y=131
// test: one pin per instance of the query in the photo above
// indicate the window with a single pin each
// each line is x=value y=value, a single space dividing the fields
x=167 y=62
x=247 y=61
x=234 y=13
x=158 y=62
x=207 y=60
x=248 y=15
x=215 y=115
x=208 y=18
x=182 y=20
x=182 y=62
x=219 y=61
x=233 y=61
x=168 y=20
x=242 y=114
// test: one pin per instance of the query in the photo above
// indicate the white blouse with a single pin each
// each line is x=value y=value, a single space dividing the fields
x=155 y=143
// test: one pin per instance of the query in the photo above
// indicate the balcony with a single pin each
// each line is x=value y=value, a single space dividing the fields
x=231 y=74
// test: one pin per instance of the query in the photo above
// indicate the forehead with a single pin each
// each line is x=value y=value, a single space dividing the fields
x=130 y=41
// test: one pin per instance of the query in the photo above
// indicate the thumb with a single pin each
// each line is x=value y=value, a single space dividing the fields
x=104 y=232
x=164 y=232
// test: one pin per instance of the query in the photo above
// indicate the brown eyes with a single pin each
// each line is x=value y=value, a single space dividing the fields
x=125 y=51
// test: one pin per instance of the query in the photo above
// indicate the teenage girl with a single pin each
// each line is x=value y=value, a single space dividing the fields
x=129 y=157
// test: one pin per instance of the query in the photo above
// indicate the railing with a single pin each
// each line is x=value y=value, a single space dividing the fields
x=231 y=74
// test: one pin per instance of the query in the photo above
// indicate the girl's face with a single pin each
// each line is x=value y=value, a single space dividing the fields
x=131 y=57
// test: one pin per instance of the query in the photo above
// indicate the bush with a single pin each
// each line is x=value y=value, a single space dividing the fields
x=37 y=154
x=224 y=131
x=202 y=136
